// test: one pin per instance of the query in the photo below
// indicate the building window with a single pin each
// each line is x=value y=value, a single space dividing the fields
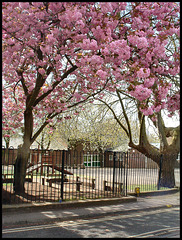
x=121 y=158
x=110 y=157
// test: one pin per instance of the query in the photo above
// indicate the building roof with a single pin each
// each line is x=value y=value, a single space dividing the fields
x=58 y=144
x=122 y=148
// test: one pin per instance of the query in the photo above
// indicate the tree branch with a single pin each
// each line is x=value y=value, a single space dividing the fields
x=116 y=118
x=20 y=73
x=125 y=116
x=161 y=129
x=39 y=83
x=43 y=126
x=143 y=140
x=54 y=85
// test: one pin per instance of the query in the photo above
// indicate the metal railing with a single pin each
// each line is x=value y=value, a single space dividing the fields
x=146 y=175
x=56 y=175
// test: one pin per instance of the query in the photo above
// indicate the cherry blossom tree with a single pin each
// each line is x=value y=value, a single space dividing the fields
x=63 y=53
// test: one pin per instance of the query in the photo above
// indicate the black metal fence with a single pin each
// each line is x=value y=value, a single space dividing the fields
x=143 y=173
x=56 y=175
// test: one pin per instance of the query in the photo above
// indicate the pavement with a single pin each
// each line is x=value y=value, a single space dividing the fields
x=24 y=214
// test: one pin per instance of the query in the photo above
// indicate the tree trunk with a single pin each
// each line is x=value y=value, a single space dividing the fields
x=23 y=154
x=7 y=141
x=169 y=162
x=167 y=173
x=20 y=169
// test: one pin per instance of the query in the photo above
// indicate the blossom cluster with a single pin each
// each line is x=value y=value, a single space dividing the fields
x=173 y=103
x=88 y=47
x=141 y=93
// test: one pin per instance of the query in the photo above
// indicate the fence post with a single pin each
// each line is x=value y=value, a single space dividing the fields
x=126 y=172
x=114 y=166
x=160 y=171
x=62 y=173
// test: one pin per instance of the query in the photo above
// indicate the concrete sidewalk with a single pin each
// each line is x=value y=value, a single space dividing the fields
x=86 y=209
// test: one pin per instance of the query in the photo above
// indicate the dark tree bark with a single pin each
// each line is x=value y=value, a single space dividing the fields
x=167 y=174
x=23 y=154
x=20 y=169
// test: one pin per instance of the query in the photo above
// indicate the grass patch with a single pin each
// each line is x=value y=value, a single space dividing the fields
x=145 y=188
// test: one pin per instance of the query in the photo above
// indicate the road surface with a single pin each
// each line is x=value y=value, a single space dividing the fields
x=161 y=223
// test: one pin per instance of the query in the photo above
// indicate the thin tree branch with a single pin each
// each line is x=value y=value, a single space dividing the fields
x=116 y=118
x=25 y=89
x=125 y=116
x=43 y=126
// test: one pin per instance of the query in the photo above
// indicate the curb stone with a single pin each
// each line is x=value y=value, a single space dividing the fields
x=67 y=205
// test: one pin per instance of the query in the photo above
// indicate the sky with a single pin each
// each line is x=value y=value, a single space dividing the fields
x=171 y=121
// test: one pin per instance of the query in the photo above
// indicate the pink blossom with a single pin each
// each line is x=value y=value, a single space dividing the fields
x=173 y=103
x=121 y=48
x=143 y=73
x=162 y=92
x=46 y=49
x=106 y=7
x=105 y=51
x=96 y=60
x=157 y=108
x=89 y=45
x=147 y=111
x=149 y=56
x=50 y=38
x=24 y=5
x=41 y=71
x=49 y=120
x=102 y=74
x=154 y=118
x=76 y=16
x=141 y=92
x=76 y=113
x=149 y=82
x=132 y=39
x=11 y=41
x=6 y=135
x=77 y=96
x=80 y=24
x=30 y=89
x=140 y=42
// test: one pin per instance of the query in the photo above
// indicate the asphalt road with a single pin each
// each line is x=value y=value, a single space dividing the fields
x=161 y=223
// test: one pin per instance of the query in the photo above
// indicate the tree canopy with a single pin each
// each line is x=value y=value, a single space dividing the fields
x=58 y=54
